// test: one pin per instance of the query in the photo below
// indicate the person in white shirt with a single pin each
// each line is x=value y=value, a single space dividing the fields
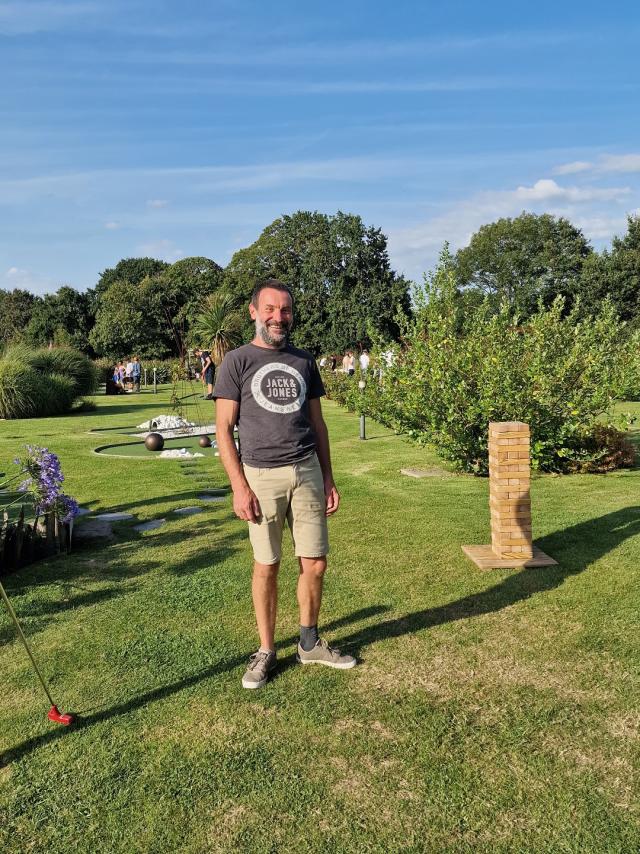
x=364 y=361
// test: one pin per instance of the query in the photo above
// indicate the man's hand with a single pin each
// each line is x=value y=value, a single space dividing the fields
x=246 y=506
x=332 y=496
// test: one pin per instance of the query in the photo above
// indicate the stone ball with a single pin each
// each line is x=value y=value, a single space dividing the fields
x=154 y=442
x=204 y=442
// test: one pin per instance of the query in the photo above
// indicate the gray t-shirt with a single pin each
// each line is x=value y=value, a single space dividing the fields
x=273 y=388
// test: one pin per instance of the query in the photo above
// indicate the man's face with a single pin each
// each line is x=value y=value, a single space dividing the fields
x=273 y=316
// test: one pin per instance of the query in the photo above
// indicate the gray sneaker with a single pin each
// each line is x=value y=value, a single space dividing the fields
x=322 y=653
x=261 y=664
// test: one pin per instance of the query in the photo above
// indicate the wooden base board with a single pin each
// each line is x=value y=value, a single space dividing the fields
x=485 y=558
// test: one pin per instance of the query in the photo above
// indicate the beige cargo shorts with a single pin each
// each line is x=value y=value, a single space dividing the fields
x=293 y=493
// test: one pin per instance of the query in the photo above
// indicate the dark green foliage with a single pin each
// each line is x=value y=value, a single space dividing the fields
x=523 y=260
x=64 y=318
x=69 y=364
x=615 y=274
x=132 y=270
x=15 y=310
x=151 y=316
x=459 y=371
x=339 y=272
x=21 y=394
x=35 y=383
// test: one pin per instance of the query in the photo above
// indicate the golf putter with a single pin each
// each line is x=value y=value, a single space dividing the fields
x=54 y=714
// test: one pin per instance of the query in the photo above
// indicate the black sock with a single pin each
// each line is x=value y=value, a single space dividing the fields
x=308 y=637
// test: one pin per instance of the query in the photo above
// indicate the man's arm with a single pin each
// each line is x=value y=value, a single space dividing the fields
x=245 y=503
x=324 y=455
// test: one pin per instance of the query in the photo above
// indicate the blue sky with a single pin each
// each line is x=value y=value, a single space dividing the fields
x=183 y=128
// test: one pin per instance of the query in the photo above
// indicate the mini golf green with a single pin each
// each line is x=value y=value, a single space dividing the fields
x=138 y=450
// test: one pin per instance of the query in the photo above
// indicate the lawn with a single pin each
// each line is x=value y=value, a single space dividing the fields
x=490 y=711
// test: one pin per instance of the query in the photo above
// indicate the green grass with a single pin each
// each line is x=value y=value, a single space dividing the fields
x=490 y=711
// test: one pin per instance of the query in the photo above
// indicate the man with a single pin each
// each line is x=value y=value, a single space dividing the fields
x=207 y=371
x=272 y=391
x=364 y=361
x=135 y=374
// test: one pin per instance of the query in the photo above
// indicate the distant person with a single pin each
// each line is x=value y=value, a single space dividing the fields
x=121 y=375
x=128 y=374
x=351 y=366
x=345 y=362
x=323 y=362
x=208 y=371
x=136 y=371
x=333 y=362
x=364 y=361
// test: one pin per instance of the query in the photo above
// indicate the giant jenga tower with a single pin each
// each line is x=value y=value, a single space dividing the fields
x=509 y=501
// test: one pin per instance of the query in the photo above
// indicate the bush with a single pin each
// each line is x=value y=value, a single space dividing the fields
x=20 y=390
x=67 y=363
x=462 y=367
x=42 y=382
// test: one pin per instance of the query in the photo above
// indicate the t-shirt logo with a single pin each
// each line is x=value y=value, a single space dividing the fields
x=279 y=388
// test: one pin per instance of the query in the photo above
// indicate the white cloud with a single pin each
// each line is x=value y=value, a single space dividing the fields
x=112 y=225
x=18 y=277
x=415 y=249
x=546 y=189
x=605 y=163
x=163 y=249
x=157 y=203
x=573 y=168
x=620 y=163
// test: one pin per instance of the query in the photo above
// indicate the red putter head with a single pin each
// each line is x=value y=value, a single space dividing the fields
x=59 y=717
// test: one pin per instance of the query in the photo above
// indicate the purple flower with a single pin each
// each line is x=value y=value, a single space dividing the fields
x=44 y=483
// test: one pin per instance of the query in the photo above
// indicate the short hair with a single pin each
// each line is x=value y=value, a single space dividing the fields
x=275 y=284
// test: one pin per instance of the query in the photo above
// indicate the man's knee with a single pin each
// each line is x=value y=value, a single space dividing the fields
x=314 y=566
x=266 y=570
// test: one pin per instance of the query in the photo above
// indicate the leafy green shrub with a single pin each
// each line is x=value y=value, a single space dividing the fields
x=604 y=449
x=462 y=367
x=20 y=390
x=42 y=382
x=104 y=369
x=59 y=392
x=68 y=363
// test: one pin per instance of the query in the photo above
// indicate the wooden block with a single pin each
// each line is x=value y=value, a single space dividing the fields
x=507 y=426
x=485 y=558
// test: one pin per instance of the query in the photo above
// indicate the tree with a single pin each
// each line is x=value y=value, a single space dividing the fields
x=219 y=326
x=615 y=274
x=180 y=294
x=523 y=260
x=131 y=270
x=64 y=318
x=339 y=272
x=16 y=307
x=128 y=322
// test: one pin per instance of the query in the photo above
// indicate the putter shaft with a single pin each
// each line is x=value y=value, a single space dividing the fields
x=12 y=614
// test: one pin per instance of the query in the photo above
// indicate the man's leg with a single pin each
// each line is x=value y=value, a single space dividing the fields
x=264 y=589
x=312 y=570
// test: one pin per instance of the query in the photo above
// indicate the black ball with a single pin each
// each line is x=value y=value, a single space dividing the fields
x=204 y=442
x=154 y=442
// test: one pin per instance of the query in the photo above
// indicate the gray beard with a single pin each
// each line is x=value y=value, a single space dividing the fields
x=262 y=330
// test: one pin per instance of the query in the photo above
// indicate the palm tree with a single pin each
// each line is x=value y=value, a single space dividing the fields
x=219 y=326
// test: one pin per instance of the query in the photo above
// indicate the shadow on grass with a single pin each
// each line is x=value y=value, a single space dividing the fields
x=575 y=548
x=224 y=666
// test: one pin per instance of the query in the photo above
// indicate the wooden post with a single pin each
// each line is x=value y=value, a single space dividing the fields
x=509 y=501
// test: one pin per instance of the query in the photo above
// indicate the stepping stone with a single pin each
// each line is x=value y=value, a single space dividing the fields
x=188 y=511
x=94 y=529
x=212 y=497
x=151 y=525
x=114 y=517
